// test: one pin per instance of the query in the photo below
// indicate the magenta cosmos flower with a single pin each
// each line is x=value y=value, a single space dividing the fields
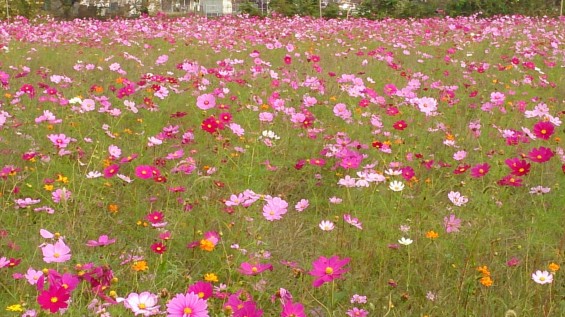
x=203 y=289
x=111 y=170
x=54 y=299
x=480 y=170
x=187 y=305
x=544 y=130
x=541 y=154
x=328 y=270
x=291 y=309
x=146 y=171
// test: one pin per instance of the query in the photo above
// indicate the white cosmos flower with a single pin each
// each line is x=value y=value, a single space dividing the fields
x=93 y=174
x=326 y=225
x=405 y=241
x=396 y=186
x=392 y=172
x=542 y=277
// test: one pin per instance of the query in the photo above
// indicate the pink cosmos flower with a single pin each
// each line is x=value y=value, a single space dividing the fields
x=59 y=140
x=206 y=101
x=254 y=269
x=61 y=194
x=328 y=270
x=102 y=241
x=451 y=224
x=56 y=253
x=142 y=304
x=187 y=305
x=356 y=312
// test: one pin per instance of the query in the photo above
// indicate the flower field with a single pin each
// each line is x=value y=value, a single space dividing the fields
x=282 y=167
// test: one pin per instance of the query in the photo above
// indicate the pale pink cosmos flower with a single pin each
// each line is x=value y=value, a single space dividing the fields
x=451 y=223
x=145 y=303
x=457 y=199
x=266 y=117
x=353 y=221
x=206 y=101
x=539 y=190
x=61 y=194
x=32 y=276
x=46 y=234
x=26 y=202
x=49 y=117
x=114 y=151
x=335 y=200
x=235 y=200
x=274 y=209
x=459 y=155
x=302 y=205
x=4 y=262
x=326 y=225
x=56 y=253
x=359 y=299
x=236 y=129
x=162 y=60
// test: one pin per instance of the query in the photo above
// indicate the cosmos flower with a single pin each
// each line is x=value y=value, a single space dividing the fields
x=328 y=269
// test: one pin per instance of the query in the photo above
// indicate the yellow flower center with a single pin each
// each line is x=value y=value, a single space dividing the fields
x=254 y=269
x=201 y=294
x=542 y=278
x=329 y=270
x=141 y=306
x=187 y=310
x=54 y=299
x=56 y=255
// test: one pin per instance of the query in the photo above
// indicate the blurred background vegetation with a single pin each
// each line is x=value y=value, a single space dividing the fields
x=370 y=9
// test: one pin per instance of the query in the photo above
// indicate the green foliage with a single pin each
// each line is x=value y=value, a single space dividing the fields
x=373 y=9
x=331 y=11
x=283 y=7
x=249 y=8
x=25 y=8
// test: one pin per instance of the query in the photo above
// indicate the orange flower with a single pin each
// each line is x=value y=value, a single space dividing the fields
x=432 y=235
x=486 y=281
x=484 y=270
x=139 y=266
x=113 y=208
x=553 y=267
